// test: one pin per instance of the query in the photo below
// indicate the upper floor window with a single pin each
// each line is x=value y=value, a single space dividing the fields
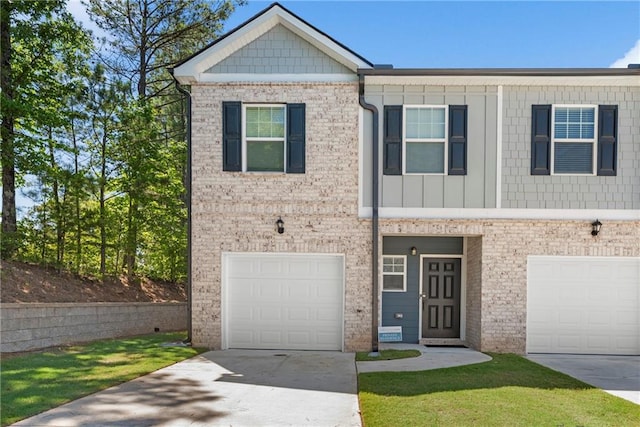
x=425 y=139
x=394 y=277
x=574 y=139
x=574 y=131
x=263 y=137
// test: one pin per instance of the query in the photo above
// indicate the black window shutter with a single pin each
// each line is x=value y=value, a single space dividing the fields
x=540 y=139
x=232 y=136
x=295 y=138
x=607 y=139
x=392 y=142
x=457 y=140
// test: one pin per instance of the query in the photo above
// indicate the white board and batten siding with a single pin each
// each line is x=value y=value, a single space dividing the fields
x=583 y=305
x=283 y=301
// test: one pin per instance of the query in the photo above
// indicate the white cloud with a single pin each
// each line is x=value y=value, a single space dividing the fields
x=631 y=57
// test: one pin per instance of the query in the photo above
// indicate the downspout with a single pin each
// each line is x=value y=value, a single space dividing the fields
x=374 y=213
x=187 y=95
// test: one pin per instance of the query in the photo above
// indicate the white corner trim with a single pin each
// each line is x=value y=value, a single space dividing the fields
x=270 y=78
x=499 y=132
x=479 y=213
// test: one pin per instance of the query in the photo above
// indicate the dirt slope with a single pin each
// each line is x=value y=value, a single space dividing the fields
x=20 y=282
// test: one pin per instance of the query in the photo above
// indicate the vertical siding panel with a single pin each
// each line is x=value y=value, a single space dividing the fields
x=392 y=191
x=490 y=151
x=474 y=182
x=412 y=191
x=433 y=191
x=454 y=192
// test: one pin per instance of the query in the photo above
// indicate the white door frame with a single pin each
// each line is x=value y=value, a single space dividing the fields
x=463 y=288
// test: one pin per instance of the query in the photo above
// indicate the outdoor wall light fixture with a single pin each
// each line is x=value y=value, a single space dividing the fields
x=280 y=225
x=595 y=227
x=414 y=251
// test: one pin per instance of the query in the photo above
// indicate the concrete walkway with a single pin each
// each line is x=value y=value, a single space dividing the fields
x=430 y=358
x=617 y=375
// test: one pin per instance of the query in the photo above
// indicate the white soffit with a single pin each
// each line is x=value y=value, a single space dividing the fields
x=191 y=70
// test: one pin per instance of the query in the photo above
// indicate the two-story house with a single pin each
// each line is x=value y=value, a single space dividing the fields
x=495 y=208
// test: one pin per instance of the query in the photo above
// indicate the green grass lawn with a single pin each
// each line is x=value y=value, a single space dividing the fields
x=36 y=382
x=507 y=391
x=387 y=355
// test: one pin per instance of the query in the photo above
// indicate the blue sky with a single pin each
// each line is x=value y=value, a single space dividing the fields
x=474 y=34
x=470 y=34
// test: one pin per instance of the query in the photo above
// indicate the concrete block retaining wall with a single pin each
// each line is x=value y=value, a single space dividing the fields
x=40 y=325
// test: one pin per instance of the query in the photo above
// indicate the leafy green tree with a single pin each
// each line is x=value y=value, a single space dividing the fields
x=37 y=39
x=147 y=36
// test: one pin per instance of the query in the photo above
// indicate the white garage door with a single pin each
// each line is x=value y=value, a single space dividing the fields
x=583 y=305
x=283 y=301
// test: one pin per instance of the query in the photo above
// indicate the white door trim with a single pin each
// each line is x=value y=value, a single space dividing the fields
x=463 y=287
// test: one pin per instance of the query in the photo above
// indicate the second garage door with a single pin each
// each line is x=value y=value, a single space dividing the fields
x=583 y=305
x=283 y=301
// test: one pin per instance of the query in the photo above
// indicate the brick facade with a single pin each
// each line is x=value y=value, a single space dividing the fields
x=497 y=251
x=236 y=212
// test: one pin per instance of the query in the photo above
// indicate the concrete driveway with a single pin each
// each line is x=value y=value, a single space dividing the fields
x=226 y=388
x=617 y=375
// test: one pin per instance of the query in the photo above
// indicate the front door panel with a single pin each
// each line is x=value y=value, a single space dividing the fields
x=440 y=298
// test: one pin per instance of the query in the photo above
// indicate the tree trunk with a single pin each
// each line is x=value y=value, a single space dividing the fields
x=9 y=223
x=57 y=208
x=131 y=242
x=77 y=189
x=103 y=219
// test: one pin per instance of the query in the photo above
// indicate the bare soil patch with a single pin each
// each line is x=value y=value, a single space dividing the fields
x=28 y=283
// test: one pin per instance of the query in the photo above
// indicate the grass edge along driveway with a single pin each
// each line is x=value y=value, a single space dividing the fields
x=39 y=381
x=506 y=391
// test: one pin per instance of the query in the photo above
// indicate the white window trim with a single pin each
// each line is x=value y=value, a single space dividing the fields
x=245 y=138
x=444 y=140
x=594 y=140
x=389 y=273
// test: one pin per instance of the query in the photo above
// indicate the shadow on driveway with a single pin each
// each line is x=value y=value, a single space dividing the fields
x=239 y=388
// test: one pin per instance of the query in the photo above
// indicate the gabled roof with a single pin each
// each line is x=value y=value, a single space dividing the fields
x=188 y=70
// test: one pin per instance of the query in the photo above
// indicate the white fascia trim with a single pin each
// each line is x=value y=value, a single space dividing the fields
x=270 y=78
x=479 y=213
x=506 y=80
x=499 y=130
x=192 y=69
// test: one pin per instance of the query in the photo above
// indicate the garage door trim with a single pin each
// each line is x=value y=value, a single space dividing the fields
x=226 y=258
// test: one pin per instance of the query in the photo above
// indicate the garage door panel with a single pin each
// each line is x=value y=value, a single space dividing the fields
x=279 y=301
x=585 y=305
